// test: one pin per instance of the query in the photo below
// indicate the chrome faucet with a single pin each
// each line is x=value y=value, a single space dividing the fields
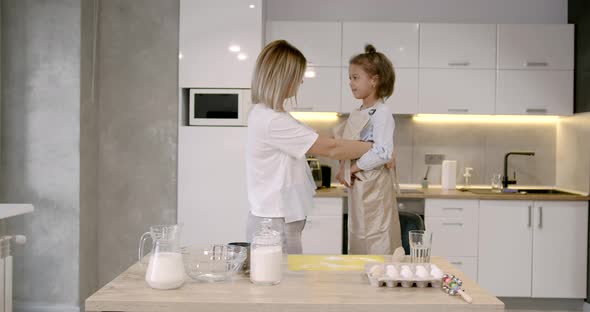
x=505 y=180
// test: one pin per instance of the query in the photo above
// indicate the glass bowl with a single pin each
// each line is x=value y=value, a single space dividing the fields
x=217 y=263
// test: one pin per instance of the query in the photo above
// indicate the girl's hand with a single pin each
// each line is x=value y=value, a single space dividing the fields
x=390 y=164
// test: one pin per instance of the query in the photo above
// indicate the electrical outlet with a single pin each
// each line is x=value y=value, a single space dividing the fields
x=434 y=159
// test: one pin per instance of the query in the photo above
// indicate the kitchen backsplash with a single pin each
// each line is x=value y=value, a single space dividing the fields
x=478 y=145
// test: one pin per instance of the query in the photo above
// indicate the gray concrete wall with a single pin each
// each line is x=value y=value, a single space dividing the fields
x=137 y=98
x=88 y=153
x=40 y=146
x=89 y=136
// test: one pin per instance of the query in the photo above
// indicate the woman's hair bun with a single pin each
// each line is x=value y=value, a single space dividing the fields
x=369 y=48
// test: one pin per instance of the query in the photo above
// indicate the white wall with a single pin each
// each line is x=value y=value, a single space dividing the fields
x=453 y=11
x=573 y=153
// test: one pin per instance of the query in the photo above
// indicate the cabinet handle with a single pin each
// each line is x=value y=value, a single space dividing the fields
x=453 y=208
x=458 y=110
x=540 y=216
x=453 y=223
x=536 y=110
x=457 y=262
x=536 y=64
x=530 y=215
x=463 y=63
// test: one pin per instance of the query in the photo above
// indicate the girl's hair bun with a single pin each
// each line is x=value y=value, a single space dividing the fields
x=369 y=48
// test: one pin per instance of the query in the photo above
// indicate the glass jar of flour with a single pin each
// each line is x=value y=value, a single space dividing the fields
x=266 y=255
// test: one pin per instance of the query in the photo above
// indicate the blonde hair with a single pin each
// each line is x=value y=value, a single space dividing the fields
x=279 y=70
x=376 y=63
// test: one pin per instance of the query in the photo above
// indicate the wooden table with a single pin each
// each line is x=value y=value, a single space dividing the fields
x=299 y=291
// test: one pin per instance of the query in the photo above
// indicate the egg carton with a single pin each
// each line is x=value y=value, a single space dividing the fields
x=384 y=280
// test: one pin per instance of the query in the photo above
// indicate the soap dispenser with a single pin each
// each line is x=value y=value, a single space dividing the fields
x=467 y=176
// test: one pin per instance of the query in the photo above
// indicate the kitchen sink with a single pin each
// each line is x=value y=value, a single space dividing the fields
x=522 y=192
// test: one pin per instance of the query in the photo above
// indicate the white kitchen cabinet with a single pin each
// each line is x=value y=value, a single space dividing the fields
x=456 y=91
x=398 y=41
x=320 y=42
x=320 y=93
x=533 y=249
x=535 y=92
x=207 y=29
x=467 y=265
x=454 y=227
x=560 y=249
x=405 y=94
x=505 y=247
x=212 y=196
x=323 y=229
x=458 y=46
x=536 y=46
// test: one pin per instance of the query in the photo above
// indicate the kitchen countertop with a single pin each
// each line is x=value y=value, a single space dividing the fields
x=307 y=291
x=415 y=192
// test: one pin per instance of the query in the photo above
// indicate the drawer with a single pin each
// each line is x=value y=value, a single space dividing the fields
x=327 y=207
x=467 y=265
x=452 y=236
x=322 y=235
x=451 y=208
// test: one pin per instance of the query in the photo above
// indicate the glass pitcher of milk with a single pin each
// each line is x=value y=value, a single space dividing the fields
x=165 y=269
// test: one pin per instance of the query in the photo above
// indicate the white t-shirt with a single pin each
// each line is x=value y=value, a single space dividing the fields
x=280 y=183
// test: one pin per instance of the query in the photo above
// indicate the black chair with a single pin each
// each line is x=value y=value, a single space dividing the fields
x=409 y=221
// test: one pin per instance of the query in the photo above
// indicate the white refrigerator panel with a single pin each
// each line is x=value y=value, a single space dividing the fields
x=212 y=197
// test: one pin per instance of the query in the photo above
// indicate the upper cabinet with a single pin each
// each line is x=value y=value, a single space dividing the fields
x=398 y=41
x=457 y=69
x=456 y=91
x=535 y=69
x=404 y=100
x=536 y=46
x=218 y=52
x=458 y=46
x=320 y=90
x=320 y=42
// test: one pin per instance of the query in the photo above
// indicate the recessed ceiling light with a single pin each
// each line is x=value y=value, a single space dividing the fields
x=242 y=56
x=252 y=6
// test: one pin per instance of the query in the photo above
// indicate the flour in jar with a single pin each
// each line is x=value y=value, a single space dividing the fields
x=266 y=265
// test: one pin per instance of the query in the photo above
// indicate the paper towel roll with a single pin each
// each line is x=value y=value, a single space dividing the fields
x=449 y=174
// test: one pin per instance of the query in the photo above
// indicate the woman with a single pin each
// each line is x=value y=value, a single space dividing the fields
x=280 y=184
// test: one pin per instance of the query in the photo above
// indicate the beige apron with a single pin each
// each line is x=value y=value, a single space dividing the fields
x=373 y=219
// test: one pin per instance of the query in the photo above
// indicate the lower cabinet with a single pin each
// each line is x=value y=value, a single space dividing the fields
x=467 y=265
x=323 y=229
x=533 y=248
x=454 y=227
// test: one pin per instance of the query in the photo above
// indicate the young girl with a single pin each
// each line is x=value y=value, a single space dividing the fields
x=279 y=181
x=373 y=220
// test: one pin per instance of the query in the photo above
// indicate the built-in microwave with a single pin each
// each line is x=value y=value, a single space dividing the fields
x=218 y=107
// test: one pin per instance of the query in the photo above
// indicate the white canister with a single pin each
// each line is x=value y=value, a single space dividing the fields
x=266 y=256
x=449 y=174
